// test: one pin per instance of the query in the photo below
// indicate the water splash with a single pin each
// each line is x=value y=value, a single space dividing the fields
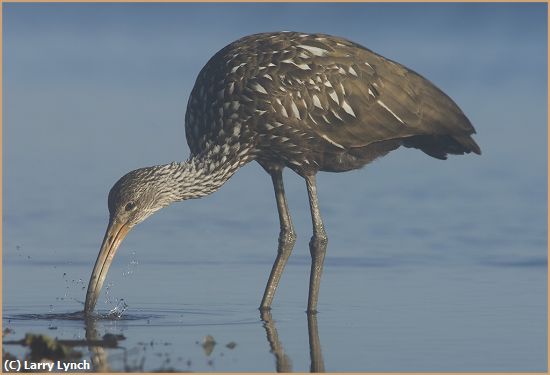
x=132 y=266
x=118 y=310
x=108 y=297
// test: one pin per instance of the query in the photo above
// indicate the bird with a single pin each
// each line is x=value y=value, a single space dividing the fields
x=309 y=102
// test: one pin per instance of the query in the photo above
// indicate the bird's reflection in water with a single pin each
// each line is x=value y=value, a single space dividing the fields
x=315 y=354
x=98 y=354
x=283 y=362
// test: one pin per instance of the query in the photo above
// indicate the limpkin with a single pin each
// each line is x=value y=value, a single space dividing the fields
x=309 y=102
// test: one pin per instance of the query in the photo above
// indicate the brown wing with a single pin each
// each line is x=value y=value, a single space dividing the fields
x=354 y=97
x=330 y=87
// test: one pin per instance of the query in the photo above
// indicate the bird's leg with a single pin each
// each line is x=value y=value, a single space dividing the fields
x=287 y=238
x=317 y=245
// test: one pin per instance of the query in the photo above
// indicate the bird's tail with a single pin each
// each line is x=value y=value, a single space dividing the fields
x=469 y=144
x=439 y=146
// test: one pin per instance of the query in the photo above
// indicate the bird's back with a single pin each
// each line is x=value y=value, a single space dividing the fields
x=320 y=102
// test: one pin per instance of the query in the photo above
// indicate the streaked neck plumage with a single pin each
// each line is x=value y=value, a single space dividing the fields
x=141 y=192
x=201 y=174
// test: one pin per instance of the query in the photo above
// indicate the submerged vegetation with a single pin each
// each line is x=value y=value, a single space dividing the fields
x=46 y=349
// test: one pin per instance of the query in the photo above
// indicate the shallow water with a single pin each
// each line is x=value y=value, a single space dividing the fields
x=376 y=317
x=431 y=266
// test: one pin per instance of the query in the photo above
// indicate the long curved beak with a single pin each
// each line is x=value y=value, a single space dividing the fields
x=116 y=232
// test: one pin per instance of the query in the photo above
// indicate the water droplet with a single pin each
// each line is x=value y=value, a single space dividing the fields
x=119 y=309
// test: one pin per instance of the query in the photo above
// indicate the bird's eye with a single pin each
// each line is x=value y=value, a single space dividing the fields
x=130 y=206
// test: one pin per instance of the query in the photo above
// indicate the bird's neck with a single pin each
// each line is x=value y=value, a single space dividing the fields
x=204 y=173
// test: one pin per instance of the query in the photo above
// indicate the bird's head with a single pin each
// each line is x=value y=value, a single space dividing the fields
x=137 y=195
x=132 y=199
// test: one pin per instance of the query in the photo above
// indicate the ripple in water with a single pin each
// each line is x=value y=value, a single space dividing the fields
x=154 y=315
x=114 y=314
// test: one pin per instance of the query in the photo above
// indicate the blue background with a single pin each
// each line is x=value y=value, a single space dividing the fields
x=431 y=266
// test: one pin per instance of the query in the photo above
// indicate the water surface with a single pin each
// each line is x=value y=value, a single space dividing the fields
x=431 y=265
